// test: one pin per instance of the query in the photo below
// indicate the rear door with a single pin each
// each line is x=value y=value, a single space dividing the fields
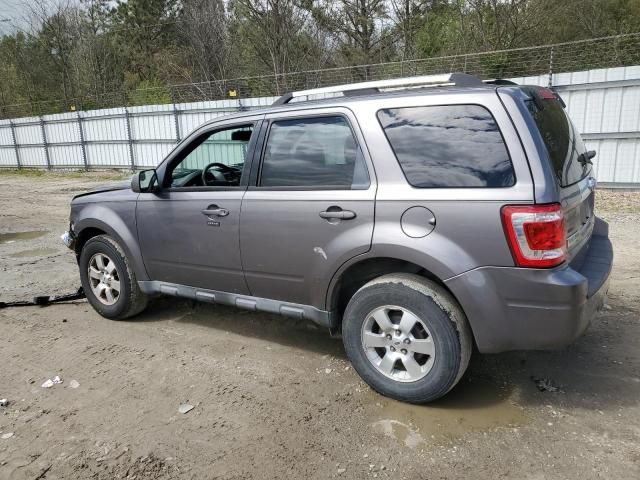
x=310 y=206
x=568 y=159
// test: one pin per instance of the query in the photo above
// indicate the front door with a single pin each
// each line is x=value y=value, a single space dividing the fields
x=189 y=229
x=310 y=209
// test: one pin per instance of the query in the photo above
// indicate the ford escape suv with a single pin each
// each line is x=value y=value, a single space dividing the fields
x=419 y=217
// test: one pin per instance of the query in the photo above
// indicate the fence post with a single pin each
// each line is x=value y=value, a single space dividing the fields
x=83 y=144
x=176 y=115
x=44 y=143
x=15 y=144
x=129 y=139
x=551 y=68
x=176 y=122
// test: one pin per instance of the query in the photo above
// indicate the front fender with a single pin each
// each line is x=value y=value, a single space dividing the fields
x=118 y=220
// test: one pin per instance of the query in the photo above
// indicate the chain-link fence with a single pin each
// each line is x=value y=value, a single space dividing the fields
x=605 y=52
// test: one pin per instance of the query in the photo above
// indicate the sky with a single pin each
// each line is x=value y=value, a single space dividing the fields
x=12 y=13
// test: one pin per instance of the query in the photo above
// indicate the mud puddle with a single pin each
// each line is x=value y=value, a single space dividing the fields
x=475 y=405
x=21 y=236
x=35 y=252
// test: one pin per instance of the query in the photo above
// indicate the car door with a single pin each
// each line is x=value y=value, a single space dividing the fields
x=310 y=206
x=189 y=228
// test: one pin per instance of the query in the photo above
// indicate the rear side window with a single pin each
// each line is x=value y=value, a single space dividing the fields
x=313 y=152
x=448 y=146
x=563 y=142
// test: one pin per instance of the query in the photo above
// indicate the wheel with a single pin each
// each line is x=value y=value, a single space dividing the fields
x=108 y=281
x=407 y=337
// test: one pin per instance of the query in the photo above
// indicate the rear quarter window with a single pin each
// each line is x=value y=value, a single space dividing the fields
x=448 y=146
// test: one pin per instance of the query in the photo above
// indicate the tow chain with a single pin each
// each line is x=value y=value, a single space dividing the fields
x=43 y=301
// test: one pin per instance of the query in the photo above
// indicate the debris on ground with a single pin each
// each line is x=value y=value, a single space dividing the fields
x=52 y=381
x=545 y=384
x=74 y=384
x=185 y=408
x=7 y=435
x=328 y=370
x=4 y=402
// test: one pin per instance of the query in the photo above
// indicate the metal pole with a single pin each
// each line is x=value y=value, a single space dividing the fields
x=129 y=140
x=83 y=144
x=15 y=144
x=176 y=122
x=44 y=143
x=551 y=68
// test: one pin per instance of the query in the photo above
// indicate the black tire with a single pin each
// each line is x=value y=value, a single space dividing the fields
x=440 y=313
x=131 y=300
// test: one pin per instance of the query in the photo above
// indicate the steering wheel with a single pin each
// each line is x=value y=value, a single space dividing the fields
x=217 y=175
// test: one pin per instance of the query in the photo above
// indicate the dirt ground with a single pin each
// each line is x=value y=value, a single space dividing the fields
x=276 y=398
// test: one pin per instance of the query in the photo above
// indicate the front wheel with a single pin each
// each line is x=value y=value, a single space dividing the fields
x=108 y=280
x=407 y=337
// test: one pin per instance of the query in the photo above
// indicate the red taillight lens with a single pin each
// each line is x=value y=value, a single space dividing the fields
x=536 y=234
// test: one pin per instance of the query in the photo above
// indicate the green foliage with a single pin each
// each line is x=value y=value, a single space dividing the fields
x=106 y=53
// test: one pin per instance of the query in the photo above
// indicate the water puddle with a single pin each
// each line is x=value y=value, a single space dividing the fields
x=475 y=405
x=35 y=252
x=20 y=236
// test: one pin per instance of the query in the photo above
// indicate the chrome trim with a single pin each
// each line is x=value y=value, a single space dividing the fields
x=581 y=235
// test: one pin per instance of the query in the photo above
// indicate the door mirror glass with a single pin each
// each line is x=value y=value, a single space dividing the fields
x=144 y=181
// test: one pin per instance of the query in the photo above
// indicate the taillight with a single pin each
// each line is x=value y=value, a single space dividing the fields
x=536 y=234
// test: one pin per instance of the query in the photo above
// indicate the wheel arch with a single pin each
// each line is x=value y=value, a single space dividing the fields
x=353 y=276
x=103 y=221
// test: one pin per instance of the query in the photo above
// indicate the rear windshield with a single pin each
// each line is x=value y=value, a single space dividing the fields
x=562 y=140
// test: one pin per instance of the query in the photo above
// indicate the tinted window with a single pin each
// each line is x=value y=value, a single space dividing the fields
x=448 y=146
x=313 y=152
x=561 y=139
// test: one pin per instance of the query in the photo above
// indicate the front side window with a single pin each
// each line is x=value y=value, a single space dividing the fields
x=313 y=152
x=448 y=146
x=215 y=159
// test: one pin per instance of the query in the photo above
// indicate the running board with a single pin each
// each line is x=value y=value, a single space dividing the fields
x=306 y=312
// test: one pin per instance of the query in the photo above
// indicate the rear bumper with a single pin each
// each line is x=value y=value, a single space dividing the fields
x=535 y=309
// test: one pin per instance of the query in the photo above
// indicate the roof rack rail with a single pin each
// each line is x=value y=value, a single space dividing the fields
x=457 y=79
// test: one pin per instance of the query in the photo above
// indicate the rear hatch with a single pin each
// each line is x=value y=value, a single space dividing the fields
x=571 y=164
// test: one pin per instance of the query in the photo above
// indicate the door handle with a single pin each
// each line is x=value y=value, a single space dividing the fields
x=337 y=213
x=216 y=211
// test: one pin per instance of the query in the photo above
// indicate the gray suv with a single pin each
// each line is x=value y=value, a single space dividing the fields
x=418 y=217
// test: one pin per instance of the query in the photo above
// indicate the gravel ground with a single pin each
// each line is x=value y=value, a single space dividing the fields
x=276 y=398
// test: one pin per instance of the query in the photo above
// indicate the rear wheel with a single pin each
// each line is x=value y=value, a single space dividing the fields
x=108 y=280
x=407 y=337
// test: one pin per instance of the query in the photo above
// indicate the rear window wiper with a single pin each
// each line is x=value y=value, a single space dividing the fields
x=585 y=157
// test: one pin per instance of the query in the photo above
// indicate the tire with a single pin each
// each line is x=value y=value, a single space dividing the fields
x=440 y=337
x=130 y=300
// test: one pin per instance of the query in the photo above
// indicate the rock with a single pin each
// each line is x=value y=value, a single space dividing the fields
x=57 y=380
x=327 y=370
x=341 y=471
x=74 y=384
x=4 y=402
x=185 y=408
x=606 y=306
x=7 y=435
x=48 y=384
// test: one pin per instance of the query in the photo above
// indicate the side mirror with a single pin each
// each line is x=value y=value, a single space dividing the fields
x=145 y=181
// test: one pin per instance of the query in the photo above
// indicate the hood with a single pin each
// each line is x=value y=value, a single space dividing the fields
x=108 y=187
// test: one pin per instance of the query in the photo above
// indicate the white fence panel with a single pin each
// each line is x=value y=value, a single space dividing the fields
x=603 y=103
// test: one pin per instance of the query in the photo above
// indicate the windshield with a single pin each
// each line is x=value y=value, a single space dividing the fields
x=562 y=140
